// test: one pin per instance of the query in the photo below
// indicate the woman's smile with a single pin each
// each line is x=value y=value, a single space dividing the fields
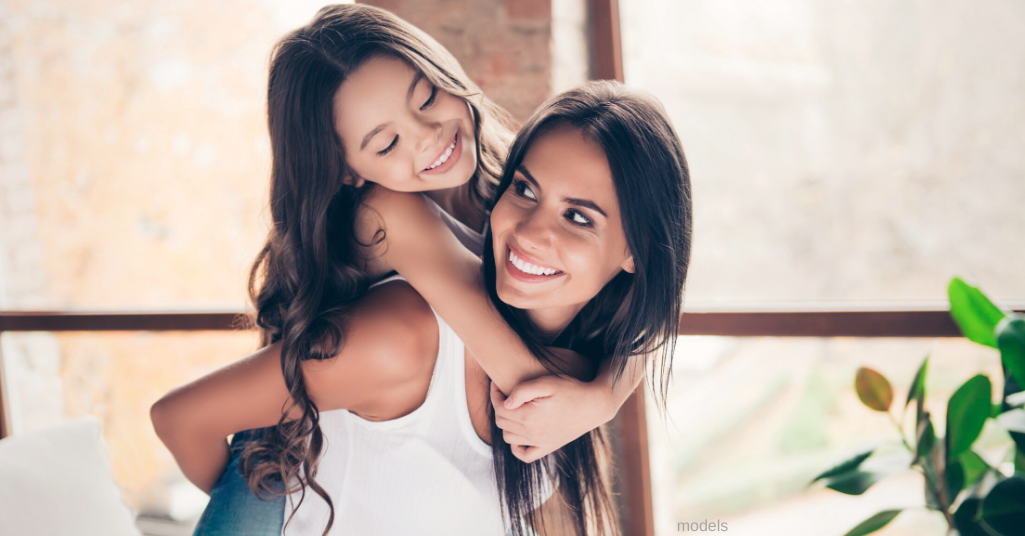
x=528 y=269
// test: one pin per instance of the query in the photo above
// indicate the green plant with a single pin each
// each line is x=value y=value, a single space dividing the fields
x=975 y=498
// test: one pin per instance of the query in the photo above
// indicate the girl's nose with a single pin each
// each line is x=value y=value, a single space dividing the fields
x=427 y=134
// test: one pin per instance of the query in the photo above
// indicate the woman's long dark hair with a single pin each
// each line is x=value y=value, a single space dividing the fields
x=635 y=316
x=308 y=274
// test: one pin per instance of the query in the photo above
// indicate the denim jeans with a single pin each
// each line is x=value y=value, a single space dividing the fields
x=234 y=510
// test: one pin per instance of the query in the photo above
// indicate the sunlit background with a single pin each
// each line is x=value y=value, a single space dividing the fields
x=841 y=152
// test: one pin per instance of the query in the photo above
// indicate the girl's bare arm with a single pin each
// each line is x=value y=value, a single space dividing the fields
x=420 y=246
x=417 y=244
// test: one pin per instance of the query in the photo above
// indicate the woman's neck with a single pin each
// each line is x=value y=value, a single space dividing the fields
x=551 y=321
x=456 y=201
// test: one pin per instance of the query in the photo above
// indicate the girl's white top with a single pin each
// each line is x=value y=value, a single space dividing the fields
x=427 y=473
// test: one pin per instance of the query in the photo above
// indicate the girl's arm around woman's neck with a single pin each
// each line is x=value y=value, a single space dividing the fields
x=418 y=244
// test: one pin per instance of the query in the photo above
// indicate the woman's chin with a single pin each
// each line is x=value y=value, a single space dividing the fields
x=512 y=297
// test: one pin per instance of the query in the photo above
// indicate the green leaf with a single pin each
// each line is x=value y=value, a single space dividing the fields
x=917 y=392
x=954 y=478
x=974 y=467
x=1013 y=421
x=873 y=389
x=874 y=523
x=996 y=411
x=966 y=518
x=857 y=481
x=932 y=501
x=974 y=313
x=926 y=437
x=1004 y=508
x=1010 y=335
x=848 y=464
x=967 y=412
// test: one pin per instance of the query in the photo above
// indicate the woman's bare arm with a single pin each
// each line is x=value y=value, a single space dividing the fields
x=382 y=372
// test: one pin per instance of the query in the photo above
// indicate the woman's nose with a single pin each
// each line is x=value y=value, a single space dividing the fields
x=535 y=232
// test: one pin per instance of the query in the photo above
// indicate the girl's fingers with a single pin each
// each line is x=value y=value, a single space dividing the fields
x=528 y=454
x=515 y=439
x=509 y=425
x=528 y=392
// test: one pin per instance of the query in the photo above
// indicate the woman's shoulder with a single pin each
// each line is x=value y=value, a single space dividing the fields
x=386 y=359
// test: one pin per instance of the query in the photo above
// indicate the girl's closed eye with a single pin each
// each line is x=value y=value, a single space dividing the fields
x=391 y=146
x=430 y=100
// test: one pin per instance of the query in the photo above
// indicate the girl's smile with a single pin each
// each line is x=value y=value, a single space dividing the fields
x=448 y=158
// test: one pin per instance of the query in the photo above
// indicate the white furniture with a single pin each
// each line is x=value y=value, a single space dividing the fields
x=58 y=481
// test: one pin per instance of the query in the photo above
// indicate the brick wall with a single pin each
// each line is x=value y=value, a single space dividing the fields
x=504 y=45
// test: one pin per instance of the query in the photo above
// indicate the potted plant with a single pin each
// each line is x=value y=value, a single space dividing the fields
x=975 y=498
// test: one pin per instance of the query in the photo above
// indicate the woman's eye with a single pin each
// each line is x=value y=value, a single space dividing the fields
x=578 y=218
x=523 y=190
x=388 y=149
x=430 y=100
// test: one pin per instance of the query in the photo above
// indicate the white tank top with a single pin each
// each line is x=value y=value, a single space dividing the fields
x=426 y=473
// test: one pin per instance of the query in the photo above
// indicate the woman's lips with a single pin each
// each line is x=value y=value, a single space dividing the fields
x=453 y=158
x=521 y=275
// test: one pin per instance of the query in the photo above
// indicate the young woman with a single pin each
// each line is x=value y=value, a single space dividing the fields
x=342 y=111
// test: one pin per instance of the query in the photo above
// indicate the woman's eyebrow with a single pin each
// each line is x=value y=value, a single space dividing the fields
x=409 y=95
x=586 y=203
x=523 y=170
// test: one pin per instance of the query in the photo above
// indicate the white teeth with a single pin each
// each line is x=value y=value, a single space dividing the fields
x=444 y=157
x=529 y=268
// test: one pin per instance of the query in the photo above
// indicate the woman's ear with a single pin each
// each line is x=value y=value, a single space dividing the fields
x=628 y=265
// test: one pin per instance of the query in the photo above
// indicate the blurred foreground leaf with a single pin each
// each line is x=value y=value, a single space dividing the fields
x=966 y=518
x=917 y=392
x=967 y=411
x=974 y=313
x=848 y=464
x=873 y=389
x=874 y=523
x=1004 y=508
x=857 y=480
x=1010 y=334
x=925 y=437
